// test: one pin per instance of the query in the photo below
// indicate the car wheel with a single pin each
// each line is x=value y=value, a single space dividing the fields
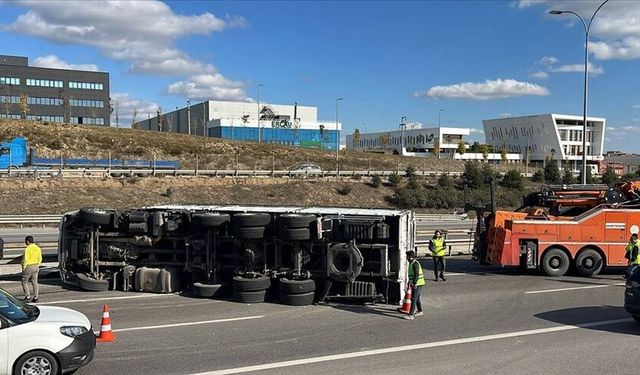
x=555 y=262
x=90 y=284
x=36 y=362
x=295 y=234
x=297 y=286
x=208 y=219
x=251 y=284
x=303 y=299
x=589 y=262
x=249 y=233
x=296 y=220
x=249 y=297
x=207 y=290
x=253 y=219
x=95 y=216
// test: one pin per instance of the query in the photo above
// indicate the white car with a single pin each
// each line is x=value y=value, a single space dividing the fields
x=42 y=340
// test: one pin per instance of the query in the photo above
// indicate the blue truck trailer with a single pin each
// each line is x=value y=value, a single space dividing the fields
x=15 y=154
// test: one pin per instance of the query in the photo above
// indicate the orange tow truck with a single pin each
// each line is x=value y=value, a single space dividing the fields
x=584 y=227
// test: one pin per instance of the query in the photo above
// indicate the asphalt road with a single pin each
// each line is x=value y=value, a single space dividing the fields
x=481 y=320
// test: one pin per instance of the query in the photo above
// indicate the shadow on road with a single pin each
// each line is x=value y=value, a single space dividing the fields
x=383 y=310
x=588 y=314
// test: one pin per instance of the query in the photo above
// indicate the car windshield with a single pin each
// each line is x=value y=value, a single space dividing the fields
x=15 y=310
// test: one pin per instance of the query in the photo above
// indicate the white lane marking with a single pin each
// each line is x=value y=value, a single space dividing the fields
x=574 y=288
x=105 y=299
x=367 y=353
x=189 y=323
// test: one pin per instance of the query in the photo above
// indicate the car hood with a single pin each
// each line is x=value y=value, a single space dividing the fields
x=62 y=315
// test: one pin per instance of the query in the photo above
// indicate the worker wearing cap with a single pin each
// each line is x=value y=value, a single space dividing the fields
x=415 y=277
x=634 y=261
x=633 y=241
x=437 y=247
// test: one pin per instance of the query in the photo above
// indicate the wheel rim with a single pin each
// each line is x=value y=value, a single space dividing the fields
x=555 y=262
x=588 y=263
x=36 y=365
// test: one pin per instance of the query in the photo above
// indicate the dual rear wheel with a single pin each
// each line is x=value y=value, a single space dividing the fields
x=556 y=262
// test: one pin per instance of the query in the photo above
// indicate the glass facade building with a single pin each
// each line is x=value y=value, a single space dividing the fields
x=308 y=138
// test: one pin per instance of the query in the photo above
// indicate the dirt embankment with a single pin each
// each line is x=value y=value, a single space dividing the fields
x=25 y=196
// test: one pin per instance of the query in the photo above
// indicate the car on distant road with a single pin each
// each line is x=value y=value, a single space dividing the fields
x=307 y=169
x=42 y=340
x=632 y=294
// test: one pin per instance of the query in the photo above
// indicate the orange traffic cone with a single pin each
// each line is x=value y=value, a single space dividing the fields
x=106 y=335
x=406 y=303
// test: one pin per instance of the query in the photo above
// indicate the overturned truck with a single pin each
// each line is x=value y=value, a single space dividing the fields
x=252 y=253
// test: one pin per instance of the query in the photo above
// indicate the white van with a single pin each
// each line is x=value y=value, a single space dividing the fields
x=42 y=340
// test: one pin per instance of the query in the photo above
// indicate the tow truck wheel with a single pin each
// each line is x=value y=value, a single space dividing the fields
x=589 y=262
x=555 y=262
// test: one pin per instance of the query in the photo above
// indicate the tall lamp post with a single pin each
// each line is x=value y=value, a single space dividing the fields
x=259 y=85
x=337 y=130
x=189 y=117
x=587 y=28
x=439 y=112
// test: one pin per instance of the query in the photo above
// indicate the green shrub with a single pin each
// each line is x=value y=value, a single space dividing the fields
x=376 y=181
x=629 y=177
x=395 y=179
x=551 y=172
x=609 y=177
x=512 y=180
x=357 y=177
x=413 y=184
x=473 y=175
x=410 y=172
x=344 y=190
x=538 y=176
x=567 y=177
x=590 y=179
x=445 y=181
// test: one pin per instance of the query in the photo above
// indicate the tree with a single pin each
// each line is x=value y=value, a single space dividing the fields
x=473 y=175
x=567 y=177
x=384 y=139
x=133 y=118
x=503 y=154
x=376 y=181
x=462 y=147
x=538 y=176
x=436 y=149
x=356 y=137
x=117 y=110
x=445 y=181
x=410 y=173
x=628 y=177
x=159 y=118
x=512 y=180
x=484 y=149
x=6 y=105
x=609 y=176
x=551 y=172
x=395 y=179
x=589 y=177
x=24 y=105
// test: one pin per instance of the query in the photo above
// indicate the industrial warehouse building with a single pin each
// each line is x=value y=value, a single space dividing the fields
x=548 y=135
x=284 y=124
x=54 y=95
x=411 y=141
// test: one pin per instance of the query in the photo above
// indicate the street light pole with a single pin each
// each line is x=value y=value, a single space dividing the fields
x=587 y=28
x=189 y=116
x=337 y=130
x=259 y=137
x=439 y=112
x=403 y=125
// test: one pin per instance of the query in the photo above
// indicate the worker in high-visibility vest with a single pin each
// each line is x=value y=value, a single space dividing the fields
x=634 y=261
x=415 y=278
x=633 y=241
x=31 y=260
x=437 y=247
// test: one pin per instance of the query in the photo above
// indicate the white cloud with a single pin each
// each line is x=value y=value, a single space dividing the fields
x=636 y=106
x=577 y=68
x=209 y=86
x=528 y=3
x=476 y=131
x=505 y=114
x=548 y=60
x=489 y=89
x=126 y=105
x=52 y=61
x=625 y=49
x=415 y=125
x=539 y=75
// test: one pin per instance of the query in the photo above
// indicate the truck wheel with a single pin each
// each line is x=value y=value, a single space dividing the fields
x=95 y=216
x=555 y=262
x=297 y=286
x=253 y=219
x=208 y=219
x=36 y=362
x=92 y=285
x=303 y=299
x=207 y=290
x=295 y=234
x=249 y=233
x=296 y=220
x=589 y=262
x=249 y=297
x=248 y=284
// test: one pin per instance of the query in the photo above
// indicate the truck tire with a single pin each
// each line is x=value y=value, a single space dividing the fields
x=251 y=219
x=251 y=284
x=303 y=299
x=207 y=290
x=296 y=220
x=249 y=297
x=297 y=286
x=96 y=216
x=294 y=234
x=249 y=233
x=209 y=219
x=344 y=263
x=90 y=284
x=138 y=216
x=589 y=262
x=555 y=262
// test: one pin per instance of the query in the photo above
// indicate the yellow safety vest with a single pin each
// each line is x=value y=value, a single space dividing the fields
x=32 y=256
x=438 y=247
x=630 y=245
x=420 y=273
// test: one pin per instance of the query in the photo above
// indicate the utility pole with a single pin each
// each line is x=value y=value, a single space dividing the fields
x=439 y=112
x=259 y=136
x=337 y=130
x=189 y=117
x=403 y=124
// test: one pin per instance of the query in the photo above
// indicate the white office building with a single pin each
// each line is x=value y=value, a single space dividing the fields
x=548 y=135
x=411 y=141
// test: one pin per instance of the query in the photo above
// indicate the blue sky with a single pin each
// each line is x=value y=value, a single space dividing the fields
x=472 y=59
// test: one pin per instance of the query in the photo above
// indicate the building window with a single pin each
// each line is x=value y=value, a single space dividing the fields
x=10 y=99
x=87 y=120
x=44 y=83
x=10 y=116
x=43 y=101
x=86 y=85
x=86 y=103
x=45 y=118
x=9 y=80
